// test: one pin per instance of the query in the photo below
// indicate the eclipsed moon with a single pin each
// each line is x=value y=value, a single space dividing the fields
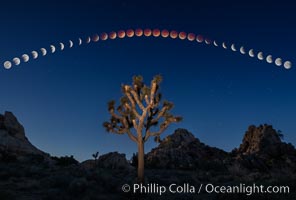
x=251 y=53
x=34 y=54
x=95 y=38
x=242 y=50
x=112 y=35
x=224 y=45
x=156 y=32
x=121 y=34
x=199 y=38
x=70 y=43
x=80 y=41
x=260 y=56
x=62 y=46
x=130 y=33
x=215 y=43
x=269 y=59
x=25 y=57
x=182 y=35
x=173 y=34
x=287 y=65
x=43 y=51
x=88 y=40
x=7 y=64
x=165 y=33
x=52 y=48
x=233 y=47
x=16 y=61
x=147 y=32
x=278 y=62
x=208 y=41
x=191 y=36
x=139 y=32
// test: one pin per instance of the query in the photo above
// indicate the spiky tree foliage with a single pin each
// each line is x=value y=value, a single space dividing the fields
x=141 y=115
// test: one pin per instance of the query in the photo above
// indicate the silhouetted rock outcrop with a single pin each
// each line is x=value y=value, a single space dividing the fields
x=182 y=150
x=13 y=141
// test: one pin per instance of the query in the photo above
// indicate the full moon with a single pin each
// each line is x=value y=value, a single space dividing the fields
x=16 y=61
x=25 y=57
x=7 y=65
x=287 y=65
x=260 y=56
x=34 y=54
x=278 y=62
x=251 y=53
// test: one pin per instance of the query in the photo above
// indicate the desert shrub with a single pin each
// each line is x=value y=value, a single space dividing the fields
x=65 y=160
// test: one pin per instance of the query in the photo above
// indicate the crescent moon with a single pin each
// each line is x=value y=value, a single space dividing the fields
x=25 y=57
x=62 y=46
x=278 y=62
x=242 y=50
x=16 y=61
x=224 y=45
x=215 y=43
x=260 y=56
x=34 y=54
x=80 y=41
x=88 y=40
x=269 y=59
x=7 y=64
x=43 y=51
x=52 y=48
x=233 y=47
x=71 y=43
x=251 y=53
x=207 y=41
x=287 y=65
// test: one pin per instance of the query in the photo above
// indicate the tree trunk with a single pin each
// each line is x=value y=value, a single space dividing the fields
x=141 y=161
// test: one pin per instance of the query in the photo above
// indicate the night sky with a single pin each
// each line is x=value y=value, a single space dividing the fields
x=61 y=99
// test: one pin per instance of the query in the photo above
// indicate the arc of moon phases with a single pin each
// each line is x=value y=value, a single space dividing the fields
x=251 y=53
x=269 y=59
x=16 y=61
x=233 y=47
x=287 y=65
x=242 y=50
x=164 y=33
x=25 y=57
x=62 y=46
x=215 y=43
x=34 y=54
x=7 y=64
x=70 y=43
x=224 y=45
x=260 y=56
x=88 y=40
x=278 y=62
x=43 y=51
x=52 y=48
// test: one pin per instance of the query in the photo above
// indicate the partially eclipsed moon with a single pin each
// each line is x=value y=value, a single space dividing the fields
x=62 y=46
x=25 y=57
x=199 y=38
x=95 y=38
x=215 y=43
x=287 y=65
x=251 y=53
x=80 y=41
x=207 y=41
x=16 y=61
x=71 y=43
x=269 y=59
x=43 y=51
x=34 y=54
x=88 y=40
x=233 y=47
x=7 y=65
x=52 y=48
x=224 y=45
x=242 y=50
x=278 y=62
x=260 y=56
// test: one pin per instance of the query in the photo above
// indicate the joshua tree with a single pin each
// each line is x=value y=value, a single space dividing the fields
x=95 y=156
x=140 y=109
